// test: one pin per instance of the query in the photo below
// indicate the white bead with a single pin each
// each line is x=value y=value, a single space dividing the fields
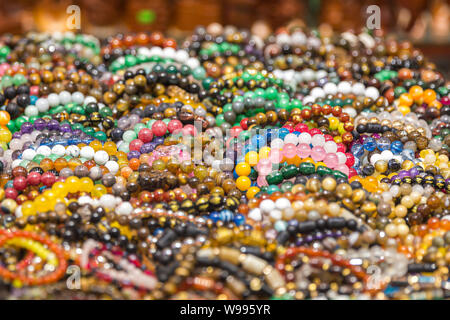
x=320 y=74
x=156 y=51
x=182 y=56
x=84 y=200
x=350 y=111
x=374 y=158
x=89 y=99
x=42 y=105
x=77 y=97
x=73 y=151
x=282 y=203
x=344 y=87
x=16 y=163
x=87 y=152
x=112 y=166
x=317 y=92
x=31 y=111
x=267 y=205
x=59 y=150
x=283 y=38
x=386 y=155
x=192 y=63
x=169 y=53
x=277 y=143
x=330 y=88
x=276 y=215
x=53 y=99
x=308 y=75
x=298 y=38
x=65 y=97
x=255 y=214
x=291 y=138
x=341 y=157
x=304 y=137
x=44 y=150
x=101 y=157
x=318 y=140
x=28 y=154
x=124 y=208
x=372 y=92
x=308 y=99
x=358 y=89
x=107 y=201
x=330 y=147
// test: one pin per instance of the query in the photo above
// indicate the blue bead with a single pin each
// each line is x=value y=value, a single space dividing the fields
x=407 y=154
x=357 y=150
x=396 y=147
x=158 y=231
x=33 y=100
x=383 y=144
x=239 y=219
x=214 y=216
x=370 y=144
x=258 y=140
x=283 y=132
x=226 y=215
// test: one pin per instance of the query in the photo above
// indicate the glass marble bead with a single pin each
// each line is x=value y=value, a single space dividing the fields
x=303 y=150
x=357 y=150
x=370 y=144
x=289 y=150
x=318 y=153
x=318 y=140
x=383 y=144
x=396 y=147
x=331 y=160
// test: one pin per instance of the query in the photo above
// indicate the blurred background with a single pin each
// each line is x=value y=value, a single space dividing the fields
x=425 y=22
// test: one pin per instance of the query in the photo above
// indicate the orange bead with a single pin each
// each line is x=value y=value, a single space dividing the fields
x=60 y=164
x=429 y=96
x=416 y=92
x=4 y=118
x=134 y=164
x=126 y=171
x=406 y=99
x=46 y=164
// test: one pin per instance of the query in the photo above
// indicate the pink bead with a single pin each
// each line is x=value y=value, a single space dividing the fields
x=275 y=156
x=34 y=90
x=189 y=129
x=159 y=128
x=264 y=167
x=318 y=153
x=343 y=168
x=261 y=181
x=174 y=125
x=303 y=150
x=235 y=131
x=289 y=150
x=331 y=160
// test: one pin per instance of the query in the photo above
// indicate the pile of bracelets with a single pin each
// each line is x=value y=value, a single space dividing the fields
x=222 y=166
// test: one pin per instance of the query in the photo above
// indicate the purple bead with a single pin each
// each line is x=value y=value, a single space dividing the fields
x=77 y=133
x=376 y=136
x=65 y=127
x=27 y=127
x=413 y=172
x=147 y=148
x=133 y=154
x=393 y=178
x=17 y=135
x=338 y=233
x=39 y=124
x=319 y=236
x=158 y=140
x=402 y=174
x=53 y=125
x=309 y=238
x=299 y=242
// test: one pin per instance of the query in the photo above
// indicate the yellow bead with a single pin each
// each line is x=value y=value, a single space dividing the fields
x=252 y=158
x=110 y=147
x=264 y=152
x=86 y=184
x=243 y=183
x=41 y=203
x=59 y=188
x=243 y=169
x=334 y=123
x=252 y=191
x=99 y=190
x=73 y=184
x=28 y=208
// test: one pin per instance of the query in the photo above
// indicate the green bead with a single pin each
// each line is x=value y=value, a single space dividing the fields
x=274 y=177
x=220 y=119
x=78 y=109
x=12 y=126
x=100 y=135
x=105 y=112
x=138 y=127
x=338 y=174
x=89 y=131
x=129 y=136
x=124 y=147
x=289 y=171
x=77 y=126
x=322 y=170
x=199 y=73
x=4 y=51
x=398 y=91
x=38 y=158
x=272 y=188
x=19 y=79
x=53 y=157
x=130 y=61
x=207 y=82
x=158 y=68
x=171 y=69
x=286 y=186
x=19 y=121
x=307 y=168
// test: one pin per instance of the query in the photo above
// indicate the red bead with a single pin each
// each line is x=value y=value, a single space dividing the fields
x=145 y=135
x=328 y=137
x=314 y=131
x=159 y=128
x=136 y=145
x=235 y=131
x=301 y=127
x=244 y=123
x=174 y=126
x=34 y=178
x=11 y=193
x=48 y=179
x=20 y=183
x=340 y=147
x=350 y=160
